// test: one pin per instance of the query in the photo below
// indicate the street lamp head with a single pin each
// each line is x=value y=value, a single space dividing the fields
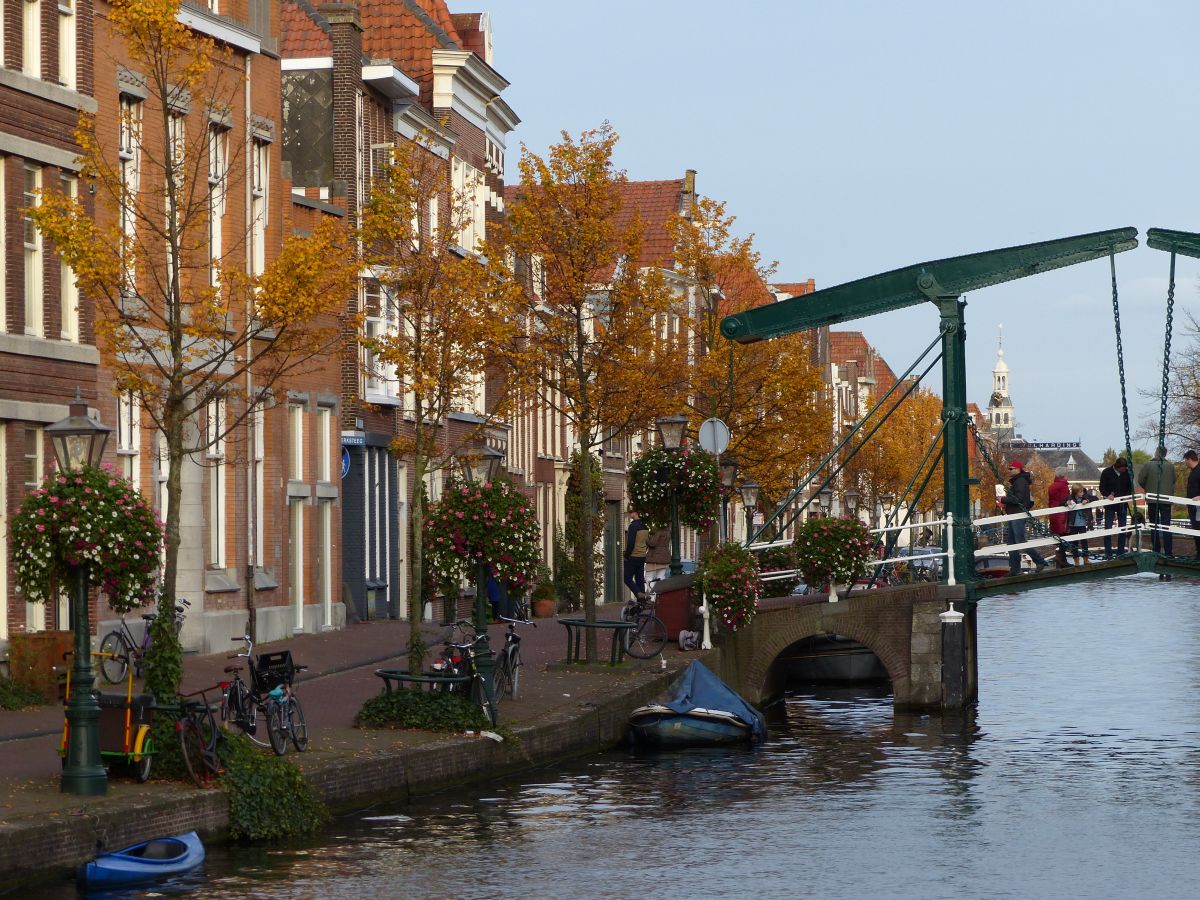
x=749 y=491
x=729 y=469
x=670 y=431
x=825 y=498
x=78 y=440
x=939 y=506
x=887 y=501
x=481 y=467
x=852 y=501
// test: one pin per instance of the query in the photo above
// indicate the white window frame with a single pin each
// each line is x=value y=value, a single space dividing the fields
x=3 y=220
x=324 y=443
x=31 y=38
x=68 y=287
x=35 y=312
x=296 y=441
x=260 y=171
x=258 y=423
x=4 y=607
x=129 y=436
x=35 y=613
x=325 y=560
x=296 y=561
x=218 y=191
x=379 y=379
x=68 y=69
x=215 y=424
x=129 y=152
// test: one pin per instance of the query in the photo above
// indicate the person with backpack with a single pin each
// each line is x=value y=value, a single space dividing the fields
x=1018 y=498
x=637 y=545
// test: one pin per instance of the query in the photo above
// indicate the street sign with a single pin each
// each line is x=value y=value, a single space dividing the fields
x=714 y=436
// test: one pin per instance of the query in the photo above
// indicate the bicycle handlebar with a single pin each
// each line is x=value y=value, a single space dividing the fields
x=517 y=621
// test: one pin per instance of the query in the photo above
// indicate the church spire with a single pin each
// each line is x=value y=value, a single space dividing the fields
x=1000 y=409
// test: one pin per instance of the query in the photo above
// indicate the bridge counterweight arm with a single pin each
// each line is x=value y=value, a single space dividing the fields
x=923 y=282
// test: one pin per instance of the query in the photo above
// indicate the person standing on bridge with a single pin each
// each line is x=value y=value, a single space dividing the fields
x=1058 y=494
x=1192 y=460
x=1158 y=477
x=1115 y=481
x=1018 y=499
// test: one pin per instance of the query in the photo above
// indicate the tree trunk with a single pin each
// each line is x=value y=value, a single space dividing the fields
x=588 y=537
x=416 y=640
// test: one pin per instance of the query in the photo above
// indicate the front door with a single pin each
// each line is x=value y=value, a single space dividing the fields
x=612 y=551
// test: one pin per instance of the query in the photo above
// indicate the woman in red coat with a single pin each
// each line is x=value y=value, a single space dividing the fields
x=1058 y=494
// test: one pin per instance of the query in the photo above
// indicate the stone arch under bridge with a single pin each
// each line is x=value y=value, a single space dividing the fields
x=900 y=625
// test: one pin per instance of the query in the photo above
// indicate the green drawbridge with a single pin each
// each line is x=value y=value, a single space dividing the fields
x=944 y=283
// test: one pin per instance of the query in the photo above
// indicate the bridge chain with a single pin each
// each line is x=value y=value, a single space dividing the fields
x=1166 y=367
x=1112 y=269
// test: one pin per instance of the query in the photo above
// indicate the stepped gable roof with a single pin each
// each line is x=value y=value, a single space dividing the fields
x=407 y=32
x=304 y=33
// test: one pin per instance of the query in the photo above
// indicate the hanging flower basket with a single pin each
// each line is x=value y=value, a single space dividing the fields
x=692 y=473
x=493 y=524
x=729 y=577
x=832 y=550
x=96 y=518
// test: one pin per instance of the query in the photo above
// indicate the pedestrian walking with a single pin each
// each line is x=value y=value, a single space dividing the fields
x=1019 y=498
x=1115 y=481
x=1158 y=477
x=637 y=545
x=1192 y=460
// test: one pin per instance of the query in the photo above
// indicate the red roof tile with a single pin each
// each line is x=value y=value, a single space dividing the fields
x=302 y=32
x=796 y=288
x=407 y=32
x=851 y=347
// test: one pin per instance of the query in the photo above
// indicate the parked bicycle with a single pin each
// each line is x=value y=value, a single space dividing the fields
x=199 y=736
x=458 y=659
x=647 y=639
x=119 y=649
x=267 y=700
x=507 y=678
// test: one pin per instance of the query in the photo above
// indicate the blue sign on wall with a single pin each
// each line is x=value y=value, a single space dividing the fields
x=345 y=462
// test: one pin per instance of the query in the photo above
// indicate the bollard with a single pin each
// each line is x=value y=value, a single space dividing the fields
x=954 y=662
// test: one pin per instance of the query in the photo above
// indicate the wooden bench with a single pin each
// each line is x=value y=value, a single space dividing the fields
x=577 y=627
x=430 y=682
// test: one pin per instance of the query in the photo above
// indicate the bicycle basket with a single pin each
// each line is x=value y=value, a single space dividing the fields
x=274 y=669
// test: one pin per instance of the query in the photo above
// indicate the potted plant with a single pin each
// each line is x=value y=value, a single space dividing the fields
x=544 y=603
x=729 y=576
x=832 y=551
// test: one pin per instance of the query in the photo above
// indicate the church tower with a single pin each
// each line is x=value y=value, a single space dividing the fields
x=1001 y=418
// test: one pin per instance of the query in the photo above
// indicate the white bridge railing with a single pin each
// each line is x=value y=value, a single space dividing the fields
x=933 y=555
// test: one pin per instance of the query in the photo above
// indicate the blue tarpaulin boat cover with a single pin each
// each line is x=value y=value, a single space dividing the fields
x=699 y=688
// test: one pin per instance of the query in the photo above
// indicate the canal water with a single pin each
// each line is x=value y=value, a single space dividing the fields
x=1077 y=777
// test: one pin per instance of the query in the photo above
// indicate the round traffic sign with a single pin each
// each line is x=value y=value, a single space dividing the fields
x=714 y=436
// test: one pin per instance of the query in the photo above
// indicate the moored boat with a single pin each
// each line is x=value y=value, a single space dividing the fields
x=145 y=861
x=703 y=711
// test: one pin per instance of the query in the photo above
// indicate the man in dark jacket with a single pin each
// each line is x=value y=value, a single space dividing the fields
x=1115 y=481
x=1191 y=459
x=1017 y=499
x=1158 y=477
x=636 y=547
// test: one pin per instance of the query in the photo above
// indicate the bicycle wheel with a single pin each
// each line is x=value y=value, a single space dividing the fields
x=141 y=766
x=514 y=673
x=502 y=681
x=114 y=662
x=276 y=727
x=191 y=743
x=296 y=724
x=646 y=640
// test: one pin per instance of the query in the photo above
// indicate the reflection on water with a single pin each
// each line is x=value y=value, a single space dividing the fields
x=1076 y=777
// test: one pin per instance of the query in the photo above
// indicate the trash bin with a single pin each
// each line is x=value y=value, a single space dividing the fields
x=674 y=603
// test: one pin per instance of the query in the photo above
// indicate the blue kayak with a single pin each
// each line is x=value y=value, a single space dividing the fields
x=147 y=861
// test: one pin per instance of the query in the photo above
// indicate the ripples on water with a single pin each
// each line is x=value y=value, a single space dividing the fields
x=1077 y=777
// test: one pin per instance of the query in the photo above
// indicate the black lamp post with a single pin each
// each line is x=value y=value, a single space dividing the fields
x=749 y=491
x=670 y=432
x=851 y=497
x=888 y=502
x=482 y=469
x=729 y=469
x=939 y=507
x=79 y=441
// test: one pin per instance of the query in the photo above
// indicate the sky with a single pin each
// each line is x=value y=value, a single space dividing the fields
x=852 y=138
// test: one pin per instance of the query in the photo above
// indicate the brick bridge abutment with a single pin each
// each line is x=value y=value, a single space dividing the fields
x=931 y=663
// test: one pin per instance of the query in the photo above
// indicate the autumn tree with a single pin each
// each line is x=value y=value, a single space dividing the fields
x=770 y=393
x=895 y=456
x=185 y=327
x=453 y=314
x=595 y=351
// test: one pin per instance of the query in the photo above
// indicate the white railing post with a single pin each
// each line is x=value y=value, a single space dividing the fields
x=950 y=550
x=706 y=640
